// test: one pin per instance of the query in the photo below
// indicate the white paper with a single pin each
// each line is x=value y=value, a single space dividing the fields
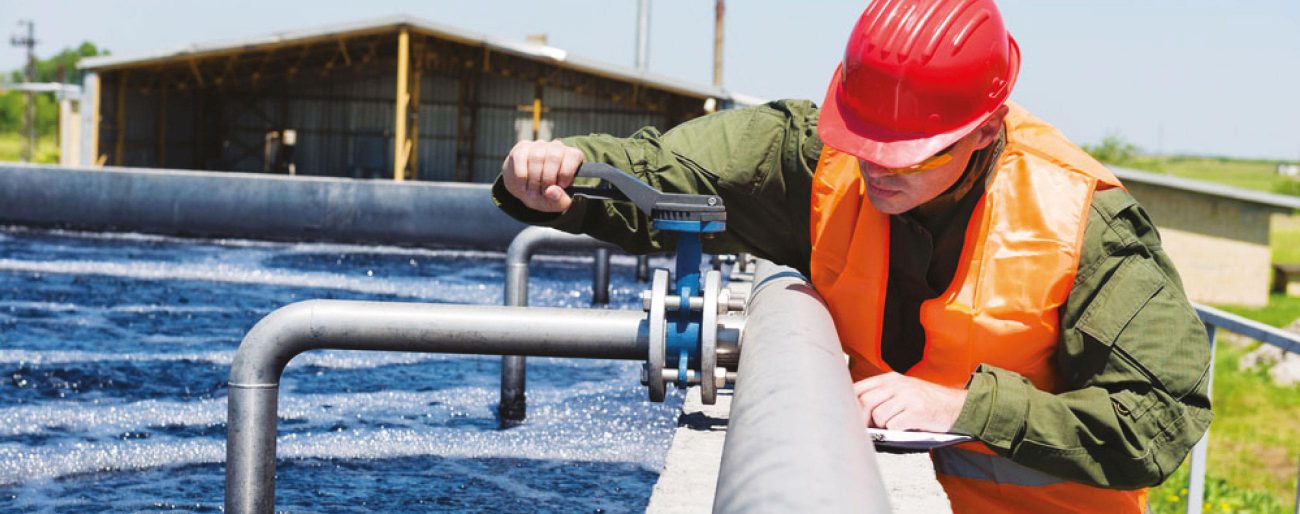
x=914 y=440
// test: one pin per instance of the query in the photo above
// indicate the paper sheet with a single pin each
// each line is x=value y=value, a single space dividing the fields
x=914 y=440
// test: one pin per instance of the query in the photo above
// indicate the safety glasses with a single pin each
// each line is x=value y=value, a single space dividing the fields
x=943 y=157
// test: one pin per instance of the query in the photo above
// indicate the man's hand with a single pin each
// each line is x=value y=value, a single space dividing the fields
x=537 y=172
x=900 y=402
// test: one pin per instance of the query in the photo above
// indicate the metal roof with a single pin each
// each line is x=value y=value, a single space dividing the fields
x=1285 y=202
x=528 y=50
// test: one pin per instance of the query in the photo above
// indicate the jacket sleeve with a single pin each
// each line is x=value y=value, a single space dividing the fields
x=1134 y=358
x=758 y=159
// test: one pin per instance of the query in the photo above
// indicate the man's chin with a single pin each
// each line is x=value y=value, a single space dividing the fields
x=888 y=204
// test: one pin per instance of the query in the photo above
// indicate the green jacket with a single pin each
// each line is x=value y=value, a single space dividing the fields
x=1133 y=354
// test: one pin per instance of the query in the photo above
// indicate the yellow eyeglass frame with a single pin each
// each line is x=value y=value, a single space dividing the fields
x=935 y=161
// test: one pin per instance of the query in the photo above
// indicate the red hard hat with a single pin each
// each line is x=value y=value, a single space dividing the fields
x=917 y=76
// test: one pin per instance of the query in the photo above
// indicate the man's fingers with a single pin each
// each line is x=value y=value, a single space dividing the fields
x=558 y=198
x=886 y=412
x=873 y=382
x=519 y=161
x=536 y=163
x=551 y=166
x=870 y=400
x=569 y=167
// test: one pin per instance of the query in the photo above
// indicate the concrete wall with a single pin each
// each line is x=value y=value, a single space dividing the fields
x=224 y=204
x=1219 y=244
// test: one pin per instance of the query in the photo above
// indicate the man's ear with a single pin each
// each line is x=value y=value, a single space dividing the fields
x=988 y=132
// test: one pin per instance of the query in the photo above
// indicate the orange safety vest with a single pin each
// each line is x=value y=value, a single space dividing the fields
x=1016 y=268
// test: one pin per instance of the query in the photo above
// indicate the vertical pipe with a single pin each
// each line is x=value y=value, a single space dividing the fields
x=718 y=10
x=250 y=439
x=795 y=441
x=600 y=277
x=1196 y=475
x=642 y=35
x=400 y=105
x=643 y=268
x=513 y=405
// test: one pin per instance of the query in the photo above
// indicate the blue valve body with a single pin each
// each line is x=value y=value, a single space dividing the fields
x=683 y=344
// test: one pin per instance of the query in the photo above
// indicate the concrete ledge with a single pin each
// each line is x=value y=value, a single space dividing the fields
x=249 y=205
x=690 y=475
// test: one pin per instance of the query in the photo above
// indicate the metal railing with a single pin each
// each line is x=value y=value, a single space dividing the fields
x=1215 y=319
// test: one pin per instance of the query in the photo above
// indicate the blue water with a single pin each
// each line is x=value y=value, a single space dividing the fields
x=115 y=349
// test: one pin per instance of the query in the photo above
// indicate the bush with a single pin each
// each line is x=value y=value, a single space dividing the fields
x=1113 y=149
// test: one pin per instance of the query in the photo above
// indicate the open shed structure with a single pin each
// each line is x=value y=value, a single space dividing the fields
x=397 y=98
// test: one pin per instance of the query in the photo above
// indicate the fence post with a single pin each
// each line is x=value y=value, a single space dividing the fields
x=1196 y=475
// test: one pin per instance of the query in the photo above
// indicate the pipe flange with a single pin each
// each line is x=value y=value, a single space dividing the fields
x=658 y=336
x=709 y=337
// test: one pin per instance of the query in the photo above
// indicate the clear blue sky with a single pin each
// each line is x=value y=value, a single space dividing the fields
x=1193 y=76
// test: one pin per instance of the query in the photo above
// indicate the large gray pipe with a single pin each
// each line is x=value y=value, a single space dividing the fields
x=388 y=326
x=795 y=440
x=252 y=205
x=513 y=405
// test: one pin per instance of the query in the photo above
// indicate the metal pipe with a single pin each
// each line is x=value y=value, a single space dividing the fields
x=643 y=268
x=600 y=277
x=389 y=326
x=1196 y=470
x=513 y=405
x=795 y=440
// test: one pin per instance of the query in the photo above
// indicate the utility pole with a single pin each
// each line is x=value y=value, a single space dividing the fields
x=29 y=75
x=642 y=35
x=718 y=9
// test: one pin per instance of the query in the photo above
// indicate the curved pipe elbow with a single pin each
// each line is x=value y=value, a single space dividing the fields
x=275 y=340
x=532 y=239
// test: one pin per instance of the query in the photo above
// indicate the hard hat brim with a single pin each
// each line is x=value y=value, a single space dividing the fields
x=840 y=129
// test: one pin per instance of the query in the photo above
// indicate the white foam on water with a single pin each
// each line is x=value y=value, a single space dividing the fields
x=100 y=419
x=224 y=272
x=279 y=247
x=331 y=359
x=590 y=434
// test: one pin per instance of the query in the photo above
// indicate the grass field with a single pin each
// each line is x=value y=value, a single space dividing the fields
x=11 y=148
x=1259 y=175
x=1253 y=454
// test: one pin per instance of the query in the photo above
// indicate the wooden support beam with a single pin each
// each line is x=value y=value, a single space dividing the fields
x=162 y=128
x=413 y=161
x=119 y=119
x=400 y=144
x=194 y=68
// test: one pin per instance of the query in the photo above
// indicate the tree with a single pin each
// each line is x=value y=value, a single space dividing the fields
x=62 y=65
x=1113 y=149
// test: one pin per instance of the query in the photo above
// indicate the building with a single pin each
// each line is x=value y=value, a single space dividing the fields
x=1218 y=236
x=397 y=97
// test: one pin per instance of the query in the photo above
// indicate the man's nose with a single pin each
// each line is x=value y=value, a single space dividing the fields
x=872 y=170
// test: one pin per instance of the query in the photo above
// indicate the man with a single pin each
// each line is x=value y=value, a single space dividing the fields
x=985 y=275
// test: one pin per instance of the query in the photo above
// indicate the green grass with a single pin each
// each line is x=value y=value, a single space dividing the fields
x=1259 y=175
x=1253 y=452
x=1285 y=238
x=11 y=148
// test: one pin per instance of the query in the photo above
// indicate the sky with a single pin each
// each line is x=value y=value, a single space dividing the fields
x=1204 y=77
